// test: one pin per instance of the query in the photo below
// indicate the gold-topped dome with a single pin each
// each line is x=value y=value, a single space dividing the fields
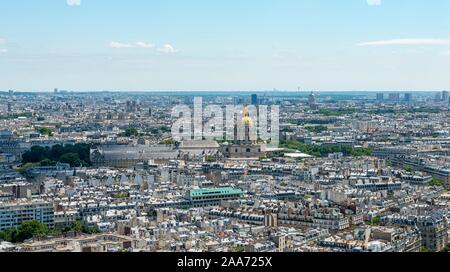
x=247 y=120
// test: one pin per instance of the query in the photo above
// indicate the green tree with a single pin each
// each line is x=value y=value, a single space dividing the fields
x=239 y=248
x=36 y=154
x=322 y=151
x=47 y=162
x=72 y=158
x=375 y=220
x=56 y=152
x=424 y=249
x=76 y=227
x=59 y=153
x=130 y=132
x=446 y=248
x=25 y=231
x=437 y=182
x=210 y=159
x=8 y=235
x=90 y=230
x=169 y=142
x=32 y=229
x=45 y=131
x=165 y=129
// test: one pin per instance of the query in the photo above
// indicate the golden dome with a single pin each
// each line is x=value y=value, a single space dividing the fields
x=247 y=120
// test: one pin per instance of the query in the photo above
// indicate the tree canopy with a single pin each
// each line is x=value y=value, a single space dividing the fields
x=75 y=155
x=34 y=229
x=129 y=132
x=325 y=150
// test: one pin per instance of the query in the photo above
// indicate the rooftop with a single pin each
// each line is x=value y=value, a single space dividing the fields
x=215 y=191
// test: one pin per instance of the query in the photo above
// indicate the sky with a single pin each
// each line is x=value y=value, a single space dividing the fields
x=232 y=45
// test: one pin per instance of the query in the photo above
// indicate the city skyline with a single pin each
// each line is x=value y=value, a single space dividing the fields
x=355 y=45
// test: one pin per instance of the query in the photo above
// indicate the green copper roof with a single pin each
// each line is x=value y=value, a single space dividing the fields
x=215 y=191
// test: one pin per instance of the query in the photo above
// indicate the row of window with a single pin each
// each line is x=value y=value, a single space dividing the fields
x=214 y=197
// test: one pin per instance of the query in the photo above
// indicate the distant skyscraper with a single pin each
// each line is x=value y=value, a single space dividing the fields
x=380 y=96
x=445 y=97
x=312 y=101
x=394 y=97
x=254 y=99
x=9 y=107
x=55 y=90
x=99 y=116
x=438 y=97
x=408 y=97
x=131 y=106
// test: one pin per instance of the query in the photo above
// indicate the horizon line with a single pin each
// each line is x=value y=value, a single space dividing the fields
x=219 y=91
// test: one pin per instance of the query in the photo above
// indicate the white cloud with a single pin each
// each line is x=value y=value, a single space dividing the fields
x=3 y=51
x=145 y=45
x=167 y=49
x=374 y=2
x=73 y=2
x=406 y=42
x=446 y=53
x=119 y=45
x=2 y=41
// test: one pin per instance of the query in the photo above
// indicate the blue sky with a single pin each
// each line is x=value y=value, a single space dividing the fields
x=225 y=45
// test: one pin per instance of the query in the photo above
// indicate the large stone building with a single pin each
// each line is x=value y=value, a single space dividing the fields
x=124 y=156
x=434 y=230
x=245 y=147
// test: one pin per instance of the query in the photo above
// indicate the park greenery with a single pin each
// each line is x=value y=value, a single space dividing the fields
x=239 y=249
x=425 y=249
x=210 y=158
x=45 y=131
x=325 y=150
x=24 y=167
x=437 y=182
x=121 y=195
x=132 y=132
x=75 y=155
x=165 y=129
x=160 y=130
x=35 y=229
x=129 y=132
x=169 y=142
x=375 y=221
x=446 y=248
x=408 y=169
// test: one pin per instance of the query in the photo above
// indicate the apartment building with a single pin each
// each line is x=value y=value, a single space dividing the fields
x=212 y=197
x=12 y=214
